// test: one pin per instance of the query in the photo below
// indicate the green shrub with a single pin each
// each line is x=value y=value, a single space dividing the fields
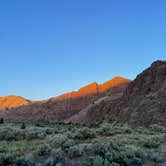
x=30 y=135
x=134 y=149
x=44 y=149
x=98 y=149
x=50 y=162
x=64 y=142
x=84 y=133
x=58 y=155
x=59 y=164
x=75 y=151
x=107 y=163
x=67 y=144
x=12 y=159
x=3 y=149
x=77 y=162
x=117 y=153
x=144 y=131
x=23 y=126
x=7 y=159
x=155 y=157
x=98 y=161
x=49 y=131
x=157 y=128
x=38 y=125
x=59 y=139
x=107 y=129
x=10 y=134
x=151 y=141
x=27 y=160
x=114 y=164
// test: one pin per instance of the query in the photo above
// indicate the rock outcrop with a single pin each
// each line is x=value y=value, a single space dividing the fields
x=9 y=102
x=143 y=102
x=95 y=88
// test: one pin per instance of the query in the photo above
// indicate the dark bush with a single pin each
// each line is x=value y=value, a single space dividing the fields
x=1 y=120
x=30 y=135
x=23 y=126
x=84 y=133
x=49 y=131
x=119 y=154
x=67 y=144
x=151 y=141
x=157 y=128
x=58 y=155
x=27 y=160
x=10 y=134
x=44 y=149
x=97 y=149
x=107 y=129
x=75 y=151
x=7 y=159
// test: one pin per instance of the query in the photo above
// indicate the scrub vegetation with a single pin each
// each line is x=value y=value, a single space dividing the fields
x=43 y=144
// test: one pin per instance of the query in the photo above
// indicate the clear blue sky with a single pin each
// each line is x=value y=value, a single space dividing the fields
x=48 y=47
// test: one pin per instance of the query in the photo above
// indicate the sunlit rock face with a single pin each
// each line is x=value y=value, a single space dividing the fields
x=8 y=102
x=95 y=88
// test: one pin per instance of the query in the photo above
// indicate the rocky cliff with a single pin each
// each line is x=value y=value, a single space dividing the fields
x=143 y=102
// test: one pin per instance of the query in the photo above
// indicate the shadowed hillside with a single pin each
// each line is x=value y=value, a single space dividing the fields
x=143 y=102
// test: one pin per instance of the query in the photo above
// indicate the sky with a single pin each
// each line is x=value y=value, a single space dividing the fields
x=48 y=47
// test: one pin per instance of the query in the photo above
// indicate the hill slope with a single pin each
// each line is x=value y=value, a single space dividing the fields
x=8 y=102
x=111 y=95
x=143 y=102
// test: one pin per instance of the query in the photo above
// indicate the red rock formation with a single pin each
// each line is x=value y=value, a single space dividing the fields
x=8 y=102
x=90 y=89
x=95 y=88
x=113 y=83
